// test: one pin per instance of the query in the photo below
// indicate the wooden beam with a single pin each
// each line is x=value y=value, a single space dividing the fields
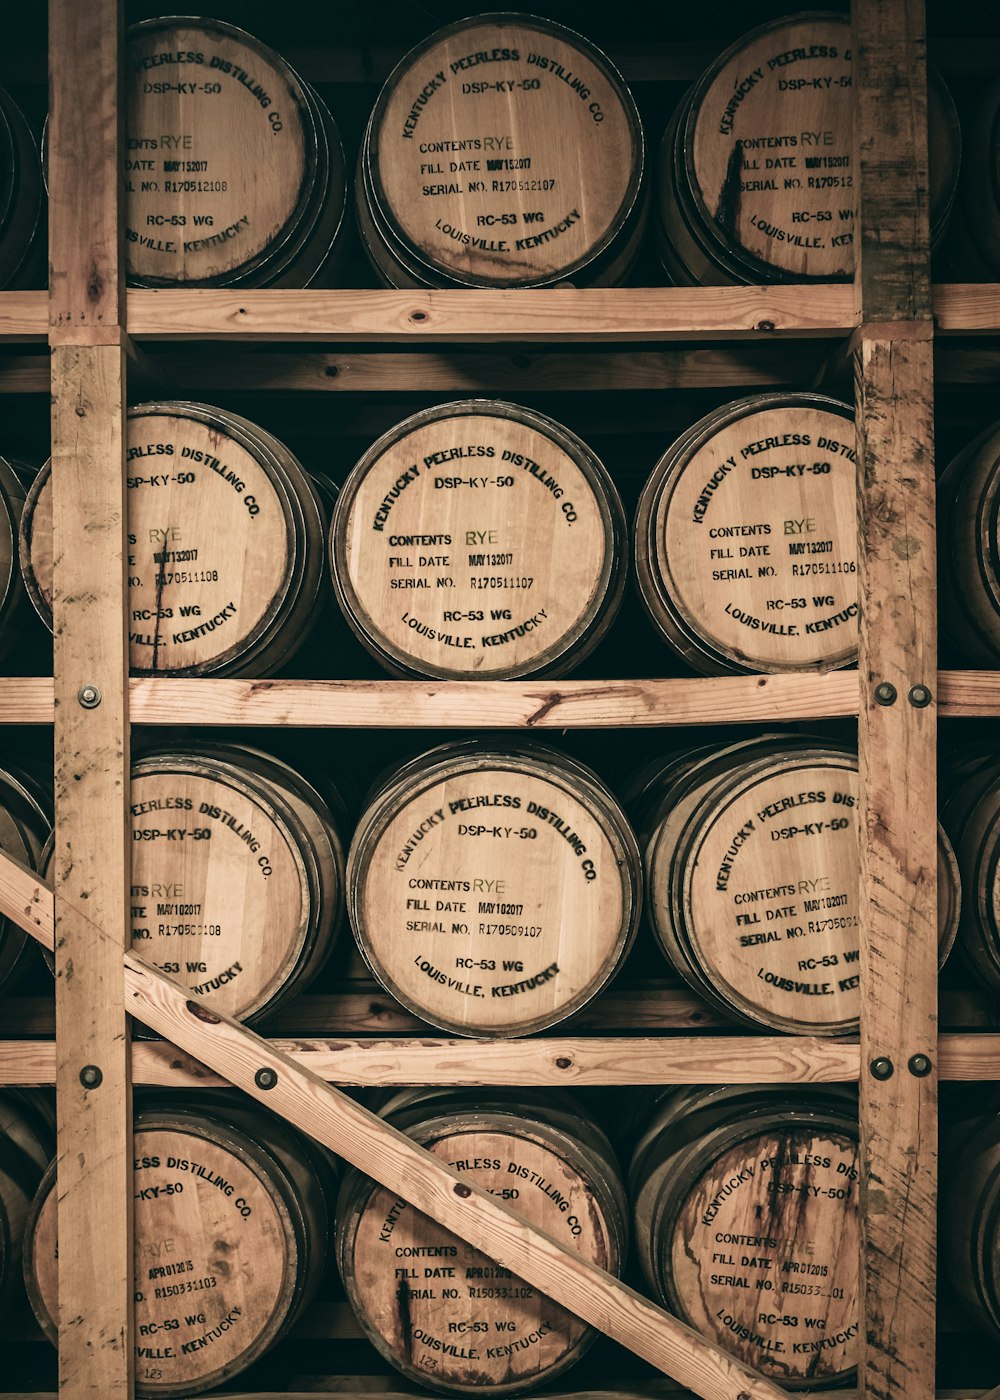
x=92 y=841
x=621 y=314
x=396 y=1162
x=563 y=1061
x=434 y=372
x=500 y=704
x=546 y=1061
x=897 y=731
x=538 y=704
x=86 y=283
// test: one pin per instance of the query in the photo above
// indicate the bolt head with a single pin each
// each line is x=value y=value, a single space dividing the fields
x=882 y=1067
x=89 y=697
x=266 y=1078
x=91 y=1076
x=920 y=1066
x=919 y=697
x=885 y=693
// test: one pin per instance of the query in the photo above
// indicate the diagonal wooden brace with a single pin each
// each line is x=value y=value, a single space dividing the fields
x=396 y=1162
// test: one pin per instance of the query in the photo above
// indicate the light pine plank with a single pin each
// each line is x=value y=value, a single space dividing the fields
x=685 y=700
x=966 y=308
x=897 y=742
x=963 y=1057
x=24 y=316
x=91 y=873
x=494 y=704
x=86 y=286
x=593 y=314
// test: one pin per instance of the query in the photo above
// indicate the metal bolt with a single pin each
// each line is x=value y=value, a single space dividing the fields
x=919 y=697
x=882 y=1068
x=89 y=697
x=744 y=1395
x=266 y=1078
x=920 y=1066
x=90 y=1076
x=885 y=693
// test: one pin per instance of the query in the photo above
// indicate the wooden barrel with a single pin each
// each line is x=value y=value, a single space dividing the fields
x=443 y=1314
x=226 y=534
x=493 y=890
x=504 y=151
x=746 y=1223
x=237 y=874
x=746 y=537
x=233 y=1211
x=27 y=1142
x=974 y=241
x=25 y=824
x=234 y=170
x=479 y=540
x=970 y=1214
x=969 y=548
x=757 y=163
x=752 y=879
x=971 y=815
x=22 y=200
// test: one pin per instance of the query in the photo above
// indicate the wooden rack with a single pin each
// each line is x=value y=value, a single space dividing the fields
x=890 y=321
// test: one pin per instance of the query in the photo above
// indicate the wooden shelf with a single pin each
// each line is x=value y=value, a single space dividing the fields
x=571 y=1062
x=540 y=704
x=614 y=315
x=619 y=314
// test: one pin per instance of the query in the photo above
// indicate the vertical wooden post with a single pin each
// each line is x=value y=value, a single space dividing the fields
x=898 y=721
x=86 y=333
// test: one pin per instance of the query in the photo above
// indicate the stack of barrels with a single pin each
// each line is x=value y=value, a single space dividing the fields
x=503 y=151
x=742 y=1202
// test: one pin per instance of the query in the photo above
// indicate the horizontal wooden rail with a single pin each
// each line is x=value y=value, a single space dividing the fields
x=494 y=704
x=627 y=1007
x=619 y=314
x=295 y=1092
x=613 y=315
x=567 y=1062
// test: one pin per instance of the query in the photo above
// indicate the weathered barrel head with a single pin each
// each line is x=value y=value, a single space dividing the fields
x=478 y=540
